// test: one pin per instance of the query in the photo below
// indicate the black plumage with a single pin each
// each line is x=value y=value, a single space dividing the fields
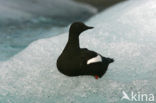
x=73 y=60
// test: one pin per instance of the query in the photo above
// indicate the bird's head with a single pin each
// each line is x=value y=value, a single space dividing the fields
x=78 y=27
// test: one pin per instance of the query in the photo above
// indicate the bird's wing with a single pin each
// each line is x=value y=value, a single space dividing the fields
x=87 y=55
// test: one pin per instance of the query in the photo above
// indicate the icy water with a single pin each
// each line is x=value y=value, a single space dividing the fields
x=24 y=21
x=125 y=32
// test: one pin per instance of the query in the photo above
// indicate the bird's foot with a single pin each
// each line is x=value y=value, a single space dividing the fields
x=96 y=77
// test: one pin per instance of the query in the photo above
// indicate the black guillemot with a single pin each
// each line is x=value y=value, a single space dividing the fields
x=76 y=61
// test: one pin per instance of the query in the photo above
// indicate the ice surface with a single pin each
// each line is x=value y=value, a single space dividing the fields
x=125 y=32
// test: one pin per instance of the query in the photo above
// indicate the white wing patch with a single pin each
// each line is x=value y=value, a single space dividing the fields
x=95 y=59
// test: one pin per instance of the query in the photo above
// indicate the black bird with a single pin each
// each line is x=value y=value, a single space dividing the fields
x=76 y=61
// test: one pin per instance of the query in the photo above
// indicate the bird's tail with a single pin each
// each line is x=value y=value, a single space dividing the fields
x=109 y=60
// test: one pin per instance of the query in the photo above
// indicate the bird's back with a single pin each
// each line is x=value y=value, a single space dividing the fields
x=86 y=55
x=93 y=63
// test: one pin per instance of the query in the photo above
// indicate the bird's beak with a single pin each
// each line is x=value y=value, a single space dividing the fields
x=89 y=27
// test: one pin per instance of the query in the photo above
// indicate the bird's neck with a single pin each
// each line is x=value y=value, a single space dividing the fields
x=73 y=42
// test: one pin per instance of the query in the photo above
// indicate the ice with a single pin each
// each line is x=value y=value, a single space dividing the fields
x=125 y=32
